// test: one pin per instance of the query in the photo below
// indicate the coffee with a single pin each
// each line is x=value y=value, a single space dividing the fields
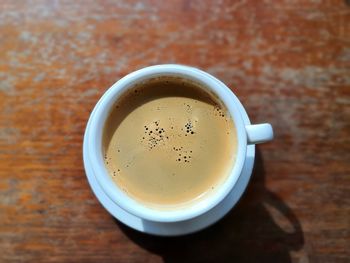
x=168 y=142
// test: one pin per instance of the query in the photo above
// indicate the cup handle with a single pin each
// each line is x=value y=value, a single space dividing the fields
x=259 y=133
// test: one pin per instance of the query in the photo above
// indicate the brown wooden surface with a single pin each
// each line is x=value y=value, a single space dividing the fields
x=288 y=62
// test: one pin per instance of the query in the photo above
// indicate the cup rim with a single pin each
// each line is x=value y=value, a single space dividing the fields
x=95 y=155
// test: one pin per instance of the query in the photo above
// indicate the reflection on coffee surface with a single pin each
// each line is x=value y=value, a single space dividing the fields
x=167 y=142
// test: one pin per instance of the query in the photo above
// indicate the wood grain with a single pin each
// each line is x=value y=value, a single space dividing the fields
x=288 y=62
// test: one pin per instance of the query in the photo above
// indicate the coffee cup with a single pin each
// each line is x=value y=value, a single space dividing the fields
x=245 y=134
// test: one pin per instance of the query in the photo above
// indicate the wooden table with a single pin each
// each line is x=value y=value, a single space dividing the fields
x=288 y=62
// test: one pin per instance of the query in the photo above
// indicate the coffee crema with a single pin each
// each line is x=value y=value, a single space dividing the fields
x=168 y=142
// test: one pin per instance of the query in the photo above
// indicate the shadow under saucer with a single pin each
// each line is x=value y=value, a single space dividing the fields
x=248 y=233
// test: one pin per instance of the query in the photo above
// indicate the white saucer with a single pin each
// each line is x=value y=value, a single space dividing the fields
x=183 y=227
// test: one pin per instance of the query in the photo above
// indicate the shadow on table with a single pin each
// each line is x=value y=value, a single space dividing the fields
x=261 y=228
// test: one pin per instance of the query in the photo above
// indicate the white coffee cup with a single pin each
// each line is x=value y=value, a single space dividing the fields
x=246 y=134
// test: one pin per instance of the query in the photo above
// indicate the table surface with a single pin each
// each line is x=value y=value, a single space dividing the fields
x=287 y=61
